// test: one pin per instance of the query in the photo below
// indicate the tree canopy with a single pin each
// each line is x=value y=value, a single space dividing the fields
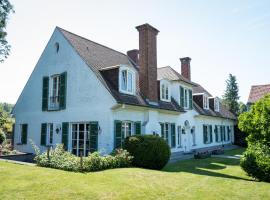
x=5 y=9
x=231 y=97
x=256 y=122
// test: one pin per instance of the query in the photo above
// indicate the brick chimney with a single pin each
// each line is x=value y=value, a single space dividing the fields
x=148 y=61
x=134 y=55
x=185 y=67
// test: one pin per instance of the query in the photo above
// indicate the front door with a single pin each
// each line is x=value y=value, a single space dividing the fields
x=186 y=140
x=80 y=139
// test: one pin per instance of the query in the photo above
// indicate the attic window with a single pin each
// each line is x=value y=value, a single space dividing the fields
x=57 y=47
x=205 y=102
x=165 y=91
x=216 y=104
x=126 y=81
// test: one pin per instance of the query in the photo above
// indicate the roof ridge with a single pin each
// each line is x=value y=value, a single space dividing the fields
x=90 y=40
x=260 y=85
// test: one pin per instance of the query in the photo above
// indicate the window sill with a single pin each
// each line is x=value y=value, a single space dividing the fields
x=165 y=100
x=126 y=92
x=19 y=143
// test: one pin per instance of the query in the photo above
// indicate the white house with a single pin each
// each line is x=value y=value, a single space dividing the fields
x=90 y=97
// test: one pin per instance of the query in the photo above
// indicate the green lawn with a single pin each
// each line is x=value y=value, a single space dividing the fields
x=213 y=178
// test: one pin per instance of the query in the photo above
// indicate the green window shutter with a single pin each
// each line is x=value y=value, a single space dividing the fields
x=228 y=133
x=216 y=133
x=117 y=134
x=24 y=133
x=93 y=136
x=65 y=127
x=43 y=135
x=181 y=96
x=221 y=132
x=190 y=99
x=137 y=128
x=45 y=93
x=173 y=135
x=204 y=134
x=63 y=90
x=211 y=134
x=162 y=130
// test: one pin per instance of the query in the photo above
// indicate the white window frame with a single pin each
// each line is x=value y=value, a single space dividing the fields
x=216 y=104
x=54 y=98
x=193 y=136
x=124 y=124
x=132 y=84
x=208 y=134
x=20 y=134
x=186 y=98
x=205 y=102
x=167 y=96
x=49 y=132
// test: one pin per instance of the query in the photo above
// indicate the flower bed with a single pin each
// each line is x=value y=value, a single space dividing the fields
x=202 y=155
x=58 y=158
x=218 y=152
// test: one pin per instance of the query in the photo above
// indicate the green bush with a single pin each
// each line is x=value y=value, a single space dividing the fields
x=149 y=151
x=256 y=162
x=60 y=159
x=2 y=137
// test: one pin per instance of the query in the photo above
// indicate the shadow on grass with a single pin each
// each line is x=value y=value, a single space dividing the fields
x=206 y=167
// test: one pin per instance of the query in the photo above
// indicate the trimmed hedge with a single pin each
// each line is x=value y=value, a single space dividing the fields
x=256 y=162
x=149 y=151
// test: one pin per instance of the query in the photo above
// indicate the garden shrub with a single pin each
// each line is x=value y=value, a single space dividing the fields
x=256 y=123
x=2 y=137
x=149 y=151
x=256 y=162
x=60 y=159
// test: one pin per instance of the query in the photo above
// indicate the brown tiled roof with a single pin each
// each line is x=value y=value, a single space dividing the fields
x=99 y=58
x=257 y=92
x=170 y=74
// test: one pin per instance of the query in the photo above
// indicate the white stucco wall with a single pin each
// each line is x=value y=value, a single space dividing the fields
x=87 y=99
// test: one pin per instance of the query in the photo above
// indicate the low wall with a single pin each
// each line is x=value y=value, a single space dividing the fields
x=25 y=157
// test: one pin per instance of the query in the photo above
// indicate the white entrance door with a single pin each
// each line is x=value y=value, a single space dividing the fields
x=186 y=140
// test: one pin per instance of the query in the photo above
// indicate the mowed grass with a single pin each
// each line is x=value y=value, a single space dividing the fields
x=212 y=178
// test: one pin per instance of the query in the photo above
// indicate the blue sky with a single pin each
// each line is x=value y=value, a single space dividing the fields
x=221 y=37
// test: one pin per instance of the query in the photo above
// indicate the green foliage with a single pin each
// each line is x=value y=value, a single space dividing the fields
x=231 y=97
x=149 y=151
x=256 y=162
x=60 y=159
x=256 y=122
x=5 y=9
x=242 y=108
x=6 y=121
x=2 y=137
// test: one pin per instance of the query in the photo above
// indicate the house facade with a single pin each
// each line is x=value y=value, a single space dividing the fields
x=90 y=97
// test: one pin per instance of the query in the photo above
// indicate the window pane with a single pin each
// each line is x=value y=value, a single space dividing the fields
x=130 y=82
x=124 y=80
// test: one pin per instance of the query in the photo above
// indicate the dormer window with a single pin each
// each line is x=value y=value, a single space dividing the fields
x=216 y=104
x=127 y=81
x=165 y=93
x=205 y=102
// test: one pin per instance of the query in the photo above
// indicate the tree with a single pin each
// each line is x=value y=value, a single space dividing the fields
x=5 y=9
x=256 y=122
x=242 y=108
x=231 y=97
